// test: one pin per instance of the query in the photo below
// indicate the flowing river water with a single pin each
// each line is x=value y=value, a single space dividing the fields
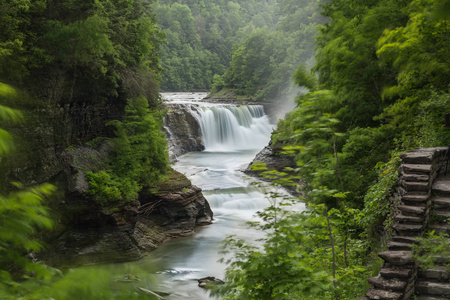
x=232 y=136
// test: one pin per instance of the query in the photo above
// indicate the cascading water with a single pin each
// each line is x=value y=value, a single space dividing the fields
x=228 y=128
x=232 y=136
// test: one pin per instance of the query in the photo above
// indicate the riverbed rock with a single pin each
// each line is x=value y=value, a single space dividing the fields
x=209 y=281
x=274 y=160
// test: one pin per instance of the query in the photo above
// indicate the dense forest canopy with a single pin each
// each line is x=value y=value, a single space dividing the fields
x=200 y=36
x=112 y=43
x=249 y=47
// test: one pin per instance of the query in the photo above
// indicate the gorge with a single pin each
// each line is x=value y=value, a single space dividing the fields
x=110 y=192
x=243 y=131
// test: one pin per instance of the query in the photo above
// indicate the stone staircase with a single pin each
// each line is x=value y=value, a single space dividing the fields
x=434 y=284
x=399 y=277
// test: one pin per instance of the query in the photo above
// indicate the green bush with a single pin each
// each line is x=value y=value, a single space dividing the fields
x=139 y=157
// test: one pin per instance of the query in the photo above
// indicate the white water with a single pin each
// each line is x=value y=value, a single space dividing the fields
x=230 y=128
x=232 y=136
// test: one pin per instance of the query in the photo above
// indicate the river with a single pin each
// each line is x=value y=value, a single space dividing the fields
x=232 y=140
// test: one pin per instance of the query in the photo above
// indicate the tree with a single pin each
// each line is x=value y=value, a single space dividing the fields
x=139 y=157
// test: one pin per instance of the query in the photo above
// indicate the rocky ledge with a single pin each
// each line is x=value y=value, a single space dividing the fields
x=87 y=233
x=274 y=160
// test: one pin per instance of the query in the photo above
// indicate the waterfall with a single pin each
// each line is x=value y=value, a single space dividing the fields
x=231 y=128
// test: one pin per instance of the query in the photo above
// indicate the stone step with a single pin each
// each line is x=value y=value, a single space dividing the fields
x=415 y=177
x=430 y=298
x=417 y=157
x=438 y=274
x=422 y=155
x=393 y=285
x=442 y=260
x=395 y=246
x=441 y=228
x=377 y=294
x=404 y=239
x=442 y=213
x=414 y=199
x=412 y=210
x=412 y=186
x=418 y=169
x=401 y=218
x=408 y=229
x=441 y=186
x=391 y=273
x=441 y=202
x=432 y=288
x=397 y=258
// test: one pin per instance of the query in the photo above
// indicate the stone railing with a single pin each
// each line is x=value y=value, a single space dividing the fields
x=397 y=279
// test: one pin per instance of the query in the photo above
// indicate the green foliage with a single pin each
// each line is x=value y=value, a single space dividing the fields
x=139 y=157
x=7 y=114
x=430 y=248
x=23 y=219
x=22 y=216
x=367 y=98
x=346 y=59
x=106 y=190
x=294 y=260
x=102 y=41
x=262 y=64
x=81 y=43
x=382 y=89
x=282 y=268
x=377 y=200
x=255 y=45
x=88 y=283
x=200 y=37
x=302 y=78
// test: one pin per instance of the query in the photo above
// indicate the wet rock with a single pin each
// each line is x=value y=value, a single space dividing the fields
x=209 y=281
x=182 y=130
x=274 y=160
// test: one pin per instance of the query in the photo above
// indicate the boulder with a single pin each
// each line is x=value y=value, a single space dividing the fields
x=209 y=281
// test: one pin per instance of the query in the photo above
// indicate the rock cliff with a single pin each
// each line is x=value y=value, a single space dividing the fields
x=63 y=116
x=182 y=129
x=173 y=209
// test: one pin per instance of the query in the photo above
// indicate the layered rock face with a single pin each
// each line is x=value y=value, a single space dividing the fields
x=62 y=117
x=172 y=210
x=183 y=130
